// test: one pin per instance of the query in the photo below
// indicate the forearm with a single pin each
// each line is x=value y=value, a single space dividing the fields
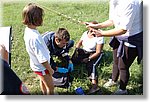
x=105 y=24
x=79 y=44
x=112 y=32
x=101 y=25
x=95 y=55
x=48 y=67
x=67 y=57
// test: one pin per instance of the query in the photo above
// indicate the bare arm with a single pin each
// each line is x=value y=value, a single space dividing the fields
x=48 y=67
x=105 y=24
x=99 y=48
x=110 y=33
x=100 y=25
x=79 y=44
x=3 y=53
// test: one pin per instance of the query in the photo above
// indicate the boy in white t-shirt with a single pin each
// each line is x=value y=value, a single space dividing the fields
x=92 y=48
x=36 y=47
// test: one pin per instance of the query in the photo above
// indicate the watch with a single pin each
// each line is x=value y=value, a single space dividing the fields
x=89 y=59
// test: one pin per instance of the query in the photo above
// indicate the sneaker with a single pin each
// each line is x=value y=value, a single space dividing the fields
x=94 y=89
x=109 y=83
x=121 y=92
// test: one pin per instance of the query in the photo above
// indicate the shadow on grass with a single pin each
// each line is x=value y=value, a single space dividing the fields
x=101 y=91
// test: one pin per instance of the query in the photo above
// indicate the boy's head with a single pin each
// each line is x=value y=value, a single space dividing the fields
x=62 y=37
x=32 y=15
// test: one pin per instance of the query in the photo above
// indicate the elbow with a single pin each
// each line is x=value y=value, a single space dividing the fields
x=98 y=53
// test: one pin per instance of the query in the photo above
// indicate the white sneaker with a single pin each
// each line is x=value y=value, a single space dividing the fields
x=109 y=83
x=121 y=92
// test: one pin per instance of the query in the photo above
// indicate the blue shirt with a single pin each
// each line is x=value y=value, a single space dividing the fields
x=49 y=38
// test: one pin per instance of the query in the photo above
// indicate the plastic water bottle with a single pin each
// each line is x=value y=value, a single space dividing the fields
x=79 y=91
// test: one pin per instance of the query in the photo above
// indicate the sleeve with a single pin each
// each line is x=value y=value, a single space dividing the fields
x=47 y=38
x=83 y=35
x=100 y=40
x=67 y=57
x=40 y=52
x=53 y=64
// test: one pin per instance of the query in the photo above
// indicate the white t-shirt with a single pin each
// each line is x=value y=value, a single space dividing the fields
x=89 y=44
x=127 y=15
x=36 y=48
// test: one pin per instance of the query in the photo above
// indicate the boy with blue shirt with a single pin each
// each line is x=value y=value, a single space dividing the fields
x=59 y=44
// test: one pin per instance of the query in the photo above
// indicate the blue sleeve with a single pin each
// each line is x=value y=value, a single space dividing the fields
x=53 y=64
x=67 y=58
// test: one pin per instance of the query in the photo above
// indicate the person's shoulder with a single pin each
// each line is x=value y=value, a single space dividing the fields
x=85 y=33
x=100 y=38
x=48 y=34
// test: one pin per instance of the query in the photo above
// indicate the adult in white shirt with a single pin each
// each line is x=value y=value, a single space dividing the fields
x=36 y=47
x=89 y=54
x=127 y=43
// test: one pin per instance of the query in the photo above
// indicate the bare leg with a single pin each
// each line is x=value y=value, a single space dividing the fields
x=48 y=84
x=43 y=88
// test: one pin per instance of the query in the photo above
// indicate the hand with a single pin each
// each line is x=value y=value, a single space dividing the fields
x=70 y=67
x=85 y=60
x=3 y=52
x=51 y=71
x=62 y=70
x=98 y=33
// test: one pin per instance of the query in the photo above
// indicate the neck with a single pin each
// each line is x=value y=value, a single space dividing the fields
x=90 y=35
x=32 y=26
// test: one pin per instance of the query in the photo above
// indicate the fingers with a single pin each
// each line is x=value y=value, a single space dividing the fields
x=92 y=26
x=85 y=60
x=98 y=33
x=3 y=52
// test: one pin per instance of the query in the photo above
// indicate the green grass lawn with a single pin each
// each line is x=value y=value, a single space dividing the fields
x=85 y=11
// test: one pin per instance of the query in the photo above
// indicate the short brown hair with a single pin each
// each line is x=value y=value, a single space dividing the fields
x=62 y=33
x=32 y=15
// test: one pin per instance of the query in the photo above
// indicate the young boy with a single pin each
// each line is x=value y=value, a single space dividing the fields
x=36 y=47
x=59 y=44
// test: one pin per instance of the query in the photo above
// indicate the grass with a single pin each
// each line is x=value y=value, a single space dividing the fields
x=85 y=11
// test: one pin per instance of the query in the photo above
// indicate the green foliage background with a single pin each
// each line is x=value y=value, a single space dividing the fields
x=81 y=10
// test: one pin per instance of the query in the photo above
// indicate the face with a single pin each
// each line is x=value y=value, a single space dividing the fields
x=61 y=43
x=91 y=32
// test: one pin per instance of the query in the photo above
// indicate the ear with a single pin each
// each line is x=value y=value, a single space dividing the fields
x=57 y=41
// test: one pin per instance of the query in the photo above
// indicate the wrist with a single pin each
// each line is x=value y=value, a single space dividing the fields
x=70 y=61
x=99 y=25
x=89 y=59
x=57 y=68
